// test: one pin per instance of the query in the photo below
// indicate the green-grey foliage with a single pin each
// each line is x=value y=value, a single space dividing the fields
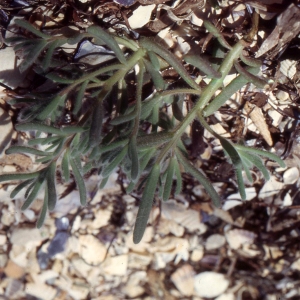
x=113 y=129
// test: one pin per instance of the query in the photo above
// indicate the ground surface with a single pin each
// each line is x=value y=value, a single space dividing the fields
x=246 y=250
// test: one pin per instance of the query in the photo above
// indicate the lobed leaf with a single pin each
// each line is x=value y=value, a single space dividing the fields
x=50 y=51
x=38 y=126
x=146 y=204
x=114 y=163
x=79 y=181
x=50 y=177
x=123 y=118
x=96 y=125
x=19 y=187
x=234 y=86
x=158 y=80
x=169 y=179
x=133 y=154
x=170 y=58
x=260 y=83
x=217 y=33
x=178 y=178
x=26 y=25
x=103 y=36
x=43 y=212
x=52 y=106
x=65 y=165
x=79 y=97
x=200 y=177
x=37 y=186
x=256 y=161
x=259 y=152
x=24 y=149
x=237 y=163
x=18 y=176
x=202 y=64
x=34 y=53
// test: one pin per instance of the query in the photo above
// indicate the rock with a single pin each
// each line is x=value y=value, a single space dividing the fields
x=40 y=290
x=188 y=218
x=79 y=291
x=238 y=237
x=134 y=287
x=183 y=279
x=23 y=236
x=215 y=241
x=210 y=284
x=13 y=270
x=3 y=239
x=91 y=250
x=291 y=175
x=197 y=253
x=116 y=265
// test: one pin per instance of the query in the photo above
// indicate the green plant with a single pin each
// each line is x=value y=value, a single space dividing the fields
x=109 y=131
